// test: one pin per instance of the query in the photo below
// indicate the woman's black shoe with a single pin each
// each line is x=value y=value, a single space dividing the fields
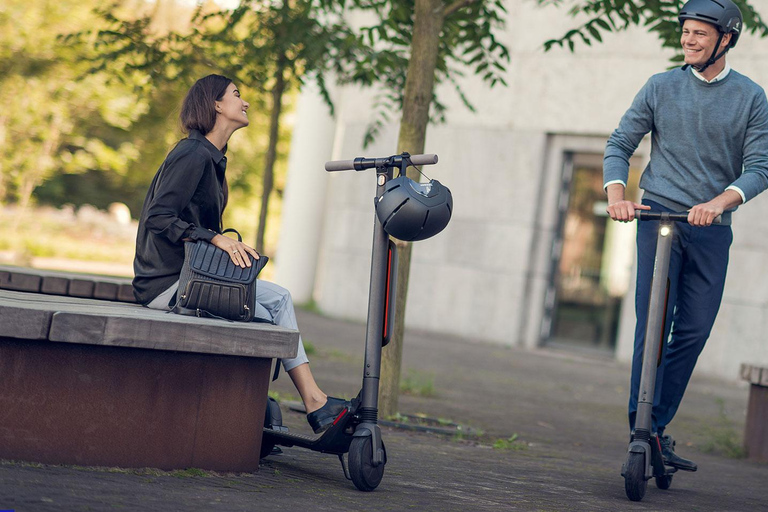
x=323 y=418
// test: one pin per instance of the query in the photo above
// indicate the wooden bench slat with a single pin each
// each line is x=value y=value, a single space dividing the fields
x=25 y=323
x=66 y=283
x=81 y=288
x=125 y=293
x=95 y=322
x=161 y=334
x=105 y=290
x=754 y=374
x=55 y=285
x=19 y=281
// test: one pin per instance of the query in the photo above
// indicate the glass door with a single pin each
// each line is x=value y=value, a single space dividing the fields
x=591 y=260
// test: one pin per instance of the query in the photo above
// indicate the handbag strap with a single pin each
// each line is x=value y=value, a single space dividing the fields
x=231 y=230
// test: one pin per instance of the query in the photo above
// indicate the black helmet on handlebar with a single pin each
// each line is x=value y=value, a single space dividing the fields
x=723 y=14
x=412 y=211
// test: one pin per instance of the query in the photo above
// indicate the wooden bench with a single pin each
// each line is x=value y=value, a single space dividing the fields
x=756 y=429
x=98 y=382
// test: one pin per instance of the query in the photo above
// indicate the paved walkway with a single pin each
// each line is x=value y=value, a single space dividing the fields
x=566 y=411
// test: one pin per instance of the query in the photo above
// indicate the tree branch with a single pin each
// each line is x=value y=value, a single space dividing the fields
x=455 y=6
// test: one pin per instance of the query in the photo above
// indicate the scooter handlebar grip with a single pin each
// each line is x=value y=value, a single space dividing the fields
x=340 y=165
x=678 y=217
x=429 y=159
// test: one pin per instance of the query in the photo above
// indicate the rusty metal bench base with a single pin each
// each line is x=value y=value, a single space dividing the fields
x=63 y=403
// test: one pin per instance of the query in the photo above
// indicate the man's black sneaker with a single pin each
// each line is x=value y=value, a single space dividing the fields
x=671 y=458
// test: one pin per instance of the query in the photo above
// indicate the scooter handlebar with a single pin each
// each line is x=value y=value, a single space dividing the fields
x=676 y=217
x=340 y=165
x=428 y=159
x=362 y=163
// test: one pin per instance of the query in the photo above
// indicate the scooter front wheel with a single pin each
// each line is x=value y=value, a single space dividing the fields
x=634 y=476
x=365 y=475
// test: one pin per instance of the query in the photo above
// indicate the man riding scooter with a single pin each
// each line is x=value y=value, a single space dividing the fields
x=709 y=136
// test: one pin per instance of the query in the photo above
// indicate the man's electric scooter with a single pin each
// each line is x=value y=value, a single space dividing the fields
x=644 y=460
x=355 y=430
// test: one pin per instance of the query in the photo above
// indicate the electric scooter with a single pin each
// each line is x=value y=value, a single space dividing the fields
x=355 y=430
x=644 y=460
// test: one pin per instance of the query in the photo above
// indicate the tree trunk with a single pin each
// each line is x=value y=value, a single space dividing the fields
x=271 y=156
x=419 y=84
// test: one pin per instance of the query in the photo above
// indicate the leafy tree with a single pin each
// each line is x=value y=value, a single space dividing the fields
x=660 y=18
x=420 y=43
x=268 y=46
x=51 y=121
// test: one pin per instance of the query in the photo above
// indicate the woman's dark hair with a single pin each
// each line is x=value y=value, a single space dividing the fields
x=198 y=111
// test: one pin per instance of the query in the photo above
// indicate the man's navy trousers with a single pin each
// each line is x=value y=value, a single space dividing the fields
x=697 y=269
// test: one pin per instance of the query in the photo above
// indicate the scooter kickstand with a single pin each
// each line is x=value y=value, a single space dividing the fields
x=344 y=467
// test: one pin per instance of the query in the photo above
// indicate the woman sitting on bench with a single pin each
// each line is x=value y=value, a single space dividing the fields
x=185 y=202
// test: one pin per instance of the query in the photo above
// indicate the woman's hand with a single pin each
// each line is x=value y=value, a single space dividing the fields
x=236 y=250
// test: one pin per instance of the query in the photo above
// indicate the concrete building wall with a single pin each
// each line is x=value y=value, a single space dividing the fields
x=486 y=276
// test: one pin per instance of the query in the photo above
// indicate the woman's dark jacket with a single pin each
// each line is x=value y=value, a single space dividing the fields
x=185 y=202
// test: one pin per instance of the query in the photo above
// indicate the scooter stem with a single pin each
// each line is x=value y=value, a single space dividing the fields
x=655 y=328
x=375 y=325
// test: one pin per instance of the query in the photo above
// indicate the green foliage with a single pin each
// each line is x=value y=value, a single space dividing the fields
x=660 y=17
x=510 y=443
x=53 y=120
x=190 y=472
x=268 y=48
x=467 y=41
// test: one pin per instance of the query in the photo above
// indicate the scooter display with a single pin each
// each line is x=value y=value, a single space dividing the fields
x=355 y=430
x=644 y=460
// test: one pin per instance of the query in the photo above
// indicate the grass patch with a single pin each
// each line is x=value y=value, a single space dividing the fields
x=510 y=443
x=309 y=347
x=418 y=383
x=721 y=437
x=189 y=472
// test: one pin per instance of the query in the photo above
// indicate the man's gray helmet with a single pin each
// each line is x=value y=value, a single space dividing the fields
x=413 y=211
x=723 y=14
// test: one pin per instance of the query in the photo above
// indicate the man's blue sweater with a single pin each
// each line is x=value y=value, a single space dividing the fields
x=704 y=138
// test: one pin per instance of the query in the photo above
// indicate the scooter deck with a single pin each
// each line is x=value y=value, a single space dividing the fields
x=334 y=440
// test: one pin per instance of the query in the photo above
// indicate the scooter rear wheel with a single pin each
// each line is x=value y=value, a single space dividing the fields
x=634 y=476
x=664 y=482
x=365 y=475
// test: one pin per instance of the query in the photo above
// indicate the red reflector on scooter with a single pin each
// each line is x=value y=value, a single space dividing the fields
x=341 y=415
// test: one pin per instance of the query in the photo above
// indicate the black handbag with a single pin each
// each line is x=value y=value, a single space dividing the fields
x=210 y=284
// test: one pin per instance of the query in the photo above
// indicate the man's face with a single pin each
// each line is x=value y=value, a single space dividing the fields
x=698 y=41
